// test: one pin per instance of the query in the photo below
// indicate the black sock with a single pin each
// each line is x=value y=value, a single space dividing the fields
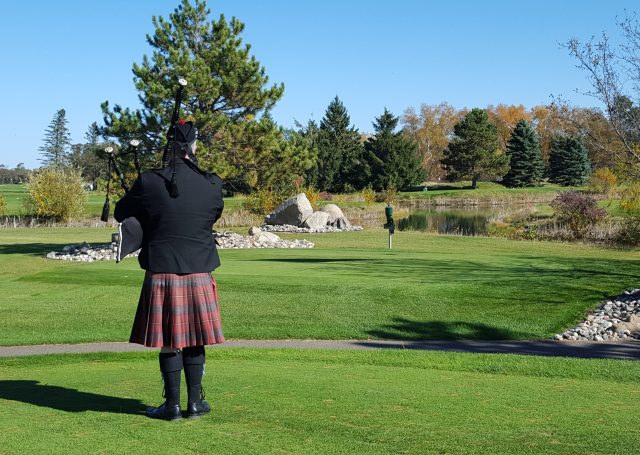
x=193 y=359
x=170 y=366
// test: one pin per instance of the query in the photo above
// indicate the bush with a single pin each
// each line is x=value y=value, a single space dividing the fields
x=312 y=194
x=630 y=232
x=325 y=196
x=56 y=193
x=3 y=205
x=263 y=201
x=603 y=181
x=368 y=195
x=502 y=229
x=579 y=211
x=630 y=200
x=389 y=195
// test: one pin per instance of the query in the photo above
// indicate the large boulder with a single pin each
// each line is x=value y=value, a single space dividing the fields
x=293 y=211
x=317 y=220
x=334 y=213
x=266 y=237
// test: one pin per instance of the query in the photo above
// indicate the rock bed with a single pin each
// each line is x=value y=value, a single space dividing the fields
x=616 y=319
x=302 y=230
x=231 y=240
x=85 y=252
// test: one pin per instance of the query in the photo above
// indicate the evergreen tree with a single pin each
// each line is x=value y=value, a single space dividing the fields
x=227 y=94
x=526 y=167
x=57 y=141
x=568 y=161
x=473 y=153
x=339 y=166
x=392 y=160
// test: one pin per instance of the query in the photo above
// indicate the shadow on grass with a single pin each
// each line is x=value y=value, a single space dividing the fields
x=68 y=400
x=427 y=269
x=408 y=330
x=33 y=249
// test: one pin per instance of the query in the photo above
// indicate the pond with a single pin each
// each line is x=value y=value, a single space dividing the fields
x=472 y=221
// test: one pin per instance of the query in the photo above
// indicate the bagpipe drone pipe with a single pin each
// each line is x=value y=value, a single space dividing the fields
x=130 y=232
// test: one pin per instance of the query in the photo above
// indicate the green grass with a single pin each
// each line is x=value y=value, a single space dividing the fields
x=323 y=402
x=485 y=190
x=349 y=286
x=14 y=195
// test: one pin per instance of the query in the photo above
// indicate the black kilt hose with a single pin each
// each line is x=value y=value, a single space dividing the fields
x=178 y=305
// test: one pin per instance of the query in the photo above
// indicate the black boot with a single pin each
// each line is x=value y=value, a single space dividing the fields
x=193 y=359
x=170 y=366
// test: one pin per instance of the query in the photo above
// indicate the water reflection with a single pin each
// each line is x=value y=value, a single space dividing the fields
x=461 y=222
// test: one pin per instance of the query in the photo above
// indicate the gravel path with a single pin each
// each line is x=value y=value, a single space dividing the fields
x=629 y=350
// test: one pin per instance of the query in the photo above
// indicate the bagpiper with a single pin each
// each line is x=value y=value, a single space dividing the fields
x=178 y=309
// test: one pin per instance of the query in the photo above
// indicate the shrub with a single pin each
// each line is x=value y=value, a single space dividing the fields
x=312 y=194
x=630 y=231
x=630 y=200
x=579 y=211
x=325 y=196
x=389 y=195
x=368 y=195
x=3 y=205
x=502 y=229
x=262 y=201
x=56 y=193
x=603 y=181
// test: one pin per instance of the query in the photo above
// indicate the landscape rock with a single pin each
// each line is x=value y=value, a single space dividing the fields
x=293 y=211
x=317 y=220
x=107 y=251
x=301 y=230
x=340 y=223
x=334 y=213
x=254 y=230
x=616 y=319
x=267 y=237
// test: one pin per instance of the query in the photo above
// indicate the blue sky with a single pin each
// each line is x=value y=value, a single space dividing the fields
x=373 y=54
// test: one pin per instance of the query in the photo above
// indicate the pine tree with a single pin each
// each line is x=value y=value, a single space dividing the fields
x=392 y=160
x=57 y=141
x=226 y=96
x=526 y=167
x=339 y=166
x=568 y=161
x=473 y=153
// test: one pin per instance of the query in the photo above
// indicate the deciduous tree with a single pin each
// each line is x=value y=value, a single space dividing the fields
x=430 y=129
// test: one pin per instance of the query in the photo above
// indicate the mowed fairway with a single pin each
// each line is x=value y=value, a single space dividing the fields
x=323 y=402
x=349 y=286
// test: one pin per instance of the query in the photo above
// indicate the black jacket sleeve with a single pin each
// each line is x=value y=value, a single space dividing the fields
x=131 y=204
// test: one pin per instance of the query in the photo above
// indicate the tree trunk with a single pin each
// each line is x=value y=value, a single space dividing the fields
x=474 y=182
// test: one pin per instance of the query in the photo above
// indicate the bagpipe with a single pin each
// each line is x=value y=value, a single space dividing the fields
x=130 y=231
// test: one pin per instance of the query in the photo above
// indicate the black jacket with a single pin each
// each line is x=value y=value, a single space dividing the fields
x=177 y=231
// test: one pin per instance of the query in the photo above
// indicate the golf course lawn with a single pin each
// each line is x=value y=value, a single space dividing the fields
x=350 y=286
x=326 y=402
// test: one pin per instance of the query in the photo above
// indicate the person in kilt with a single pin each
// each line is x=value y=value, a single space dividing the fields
x=178 y=309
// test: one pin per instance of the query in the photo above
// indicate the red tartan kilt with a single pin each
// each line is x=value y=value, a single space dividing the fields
x=177 y=311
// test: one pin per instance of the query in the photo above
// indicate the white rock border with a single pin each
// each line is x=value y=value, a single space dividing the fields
x=616 y=319
x=84 y=252
x=302 y=230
